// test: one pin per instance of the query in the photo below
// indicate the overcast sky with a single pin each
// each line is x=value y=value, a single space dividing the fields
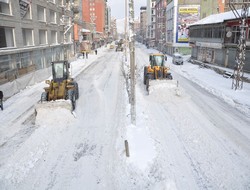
x=118 y=7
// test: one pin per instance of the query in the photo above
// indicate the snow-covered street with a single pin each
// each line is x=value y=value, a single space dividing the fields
x=196 y=136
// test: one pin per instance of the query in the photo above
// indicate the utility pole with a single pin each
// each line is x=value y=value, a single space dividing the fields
x=64 y=34
x=132 y=62
x=125 y=28
x=237 y=82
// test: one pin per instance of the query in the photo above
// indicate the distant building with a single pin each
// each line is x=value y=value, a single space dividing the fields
x=160 y=24
x=210 y=7
x=32 y=35
x=214 y=40
x=143 y=22
x=150 y=34
x=95 y=15
x=180 y=14
x=108 y=22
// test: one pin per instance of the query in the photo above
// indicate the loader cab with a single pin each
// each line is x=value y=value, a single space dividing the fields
x=60 y=70
x=156 y=60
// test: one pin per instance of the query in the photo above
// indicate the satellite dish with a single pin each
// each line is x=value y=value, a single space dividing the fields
x=229 y=34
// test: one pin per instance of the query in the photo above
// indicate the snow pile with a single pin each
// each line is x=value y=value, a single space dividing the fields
x=218 y=18
x=164 y=86
x=57 y=109
x=217 y=85
x=141 y=147
x=51 y=123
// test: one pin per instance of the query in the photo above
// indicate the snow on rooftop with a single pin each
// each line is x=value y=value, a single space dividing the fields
x=218 y=18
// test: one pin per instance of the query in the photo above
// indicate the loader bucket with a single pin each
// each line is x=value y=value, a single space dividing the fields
x=58 y=109
x=163 y=85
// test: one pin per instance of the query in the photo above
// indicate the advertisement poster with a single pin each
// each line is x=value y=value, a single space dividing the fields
x=187 y=14
x=24 y=7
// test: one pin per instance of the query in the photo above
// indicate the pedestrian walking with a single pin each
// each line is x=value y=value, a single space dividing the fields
x=87 y=53
x=96 y=51
x=83 y=54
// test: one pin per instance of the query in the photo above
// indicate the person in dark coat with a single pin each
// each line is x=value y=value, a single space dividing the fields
x=1 y=99
x=96 y=51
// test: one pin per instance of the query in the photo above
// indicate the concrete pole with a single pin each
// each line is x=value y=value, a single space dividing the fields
x=125 y=28
x=132 y=61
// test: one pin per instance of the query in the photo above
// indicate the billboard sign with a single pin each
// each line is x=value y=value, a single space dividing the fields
x=187 y=14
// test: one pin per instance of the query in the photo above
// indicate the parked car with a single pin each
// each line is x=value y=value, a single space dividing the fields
x=177 y=59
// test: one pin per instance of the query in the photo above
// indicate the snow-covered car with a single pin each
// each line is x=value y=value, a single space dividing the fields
x=177 y=59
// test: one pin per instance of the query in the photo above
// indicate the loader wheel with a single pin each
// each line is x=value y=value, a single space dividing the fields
x=76 y=90
x=44 y=97
x=169 y=76
x=72 y=98
x=147 y=83
x=145 y=74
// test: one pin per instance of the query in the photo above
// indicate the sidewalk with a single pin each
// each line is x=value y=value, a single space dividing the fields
x=22 y=103
x=221 y=70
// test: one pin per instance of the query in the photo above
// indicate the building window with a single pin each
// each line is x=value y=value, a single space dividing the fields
x=6 y=37
x=53 y=37
x=42 y=37
x=5 y=8
x=236 y=34
x=52 y=17
x=28 y=37
x=4 y=63
x=41 y=16
x=25 y=60
x=39 y=59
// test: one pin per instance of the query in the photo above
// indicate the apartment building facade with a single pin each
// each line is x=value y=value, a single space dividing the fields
x=143 y=24
x=180 y=14
x=95 y=15
x=32 y=34
x=215 y=38
x=151 y=20
x=160 y=24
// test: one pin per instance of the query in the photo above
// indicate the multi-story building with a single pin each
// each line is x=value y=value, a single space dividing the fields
x=210 y=7
x=215 y=38
x=94 y=13
x=160 y=24
x=32 y=35
x=108 y=22
x=78 y=24
x=143 y=22
x=150 y=34
x=182 y=13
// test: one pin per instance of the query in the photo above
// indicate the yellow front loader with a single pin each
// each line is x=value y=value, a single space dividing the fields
x=62 y=86
x=156 y=70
